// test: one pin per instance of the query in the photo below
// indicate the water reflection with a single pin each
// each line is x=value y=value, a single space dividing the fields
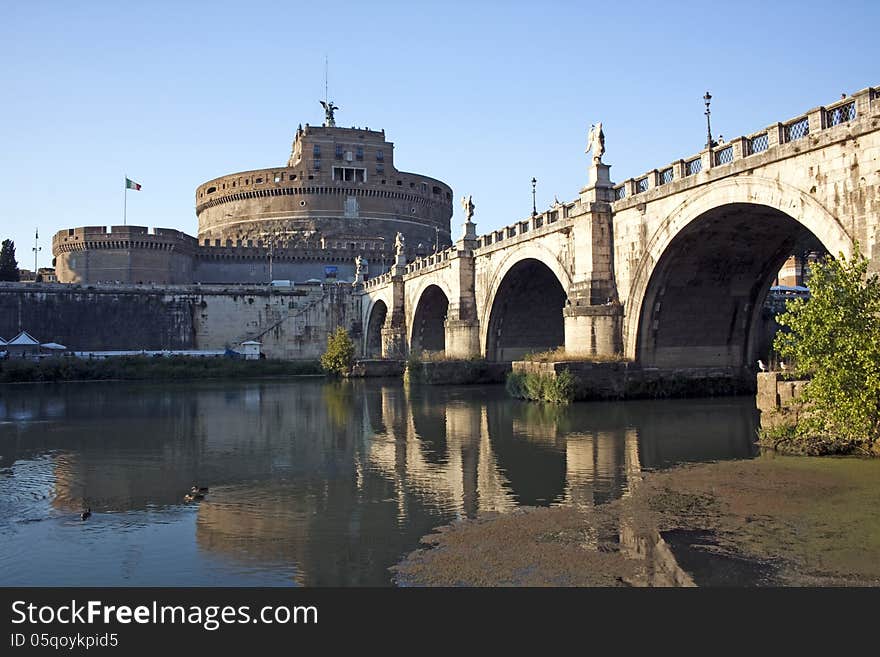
x=311 y=482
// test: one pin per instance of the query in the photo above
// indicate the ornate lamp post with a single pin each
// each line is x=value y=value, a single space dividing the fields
x=709 y=143
x=534 y=207
x=37 y=248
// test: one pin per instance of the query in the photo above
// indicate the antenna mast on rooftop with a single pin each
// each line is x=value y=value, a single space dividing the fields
x=327 y=104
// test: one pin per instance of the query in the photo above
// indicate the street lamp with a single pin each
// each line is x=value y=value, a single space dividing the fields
x=37 y=248
x=709 y=142
x=534 y=206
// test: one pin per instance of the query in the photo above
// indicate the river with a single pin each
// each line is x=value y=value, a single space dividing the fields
x=310 y=482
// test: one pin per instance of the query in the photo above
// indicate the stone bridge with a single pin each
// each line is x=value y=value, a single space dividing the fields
x=669 y=269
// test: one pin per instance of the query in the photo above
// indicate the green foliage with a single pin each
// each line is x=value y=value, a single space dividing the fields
x=8 y=264
x=170 y=368
x=834 y=339
x=559 y=355
x=339 y=356
x=556 y=389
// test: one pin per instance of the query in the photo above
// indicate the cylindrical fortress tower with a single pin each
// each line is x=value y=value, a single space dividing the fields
x=340 y=185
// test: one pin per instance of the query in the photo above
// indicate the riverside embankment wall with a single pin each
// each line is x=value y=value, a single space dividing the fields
x=291 y=323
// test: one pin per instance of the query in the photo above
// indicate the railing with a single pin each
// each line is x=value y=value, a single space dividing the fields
x=797 y=129
x=724 y=156
x=552 y=216
x=757 y=143
x=841 y=114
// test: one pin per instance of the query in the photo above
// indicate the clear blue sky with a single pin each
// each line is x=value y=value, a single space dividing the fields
x=483 y=95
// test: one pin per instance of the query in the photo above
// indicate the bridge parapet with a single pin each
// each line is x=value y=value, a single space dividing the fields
x=544 y=220
x=378 y=281
x=769 y=141
x=430 y=262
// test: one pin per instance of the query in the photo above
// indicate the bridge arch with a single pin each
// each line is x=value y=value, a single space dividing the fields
x=523 y=304
x=697 y=291
x=375 y=313
x=529 y=251
x=427 y=329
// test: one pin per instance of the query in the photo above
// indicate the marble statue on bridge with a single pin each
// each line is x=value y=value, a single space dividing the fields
x=468 y=204
x=596 y=142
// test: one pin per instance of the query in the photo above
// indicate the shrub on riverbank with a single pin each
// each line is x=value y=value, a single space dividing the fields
x=339 y=357
x=834 y=339
x=556 y=389
x=148 y=368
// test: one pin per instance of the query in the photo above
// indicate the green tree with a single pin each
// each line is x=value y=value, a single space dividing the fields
x=340 y=353
x=834 y=339
x=8 y=264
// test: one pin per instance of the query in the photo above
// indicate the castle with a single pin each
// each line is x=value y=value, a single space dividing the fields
x=340 y=196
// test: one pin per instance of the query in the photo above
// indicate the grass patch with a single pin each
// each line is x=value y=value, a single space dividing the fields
x=555 y=388
x=139 y=368
x=560 y=355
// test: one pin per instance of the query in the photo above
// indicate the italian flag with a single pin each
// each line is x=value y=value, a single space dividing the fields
x=131 y=184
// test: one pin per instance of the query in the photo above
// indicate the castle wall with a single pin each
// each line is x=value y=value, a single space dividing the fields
x=292 y=323
x=123 y=254
x=94 y=319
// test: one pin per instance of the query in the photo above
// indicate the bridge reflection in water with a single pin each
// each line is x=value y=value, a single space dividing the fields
x=311 y=483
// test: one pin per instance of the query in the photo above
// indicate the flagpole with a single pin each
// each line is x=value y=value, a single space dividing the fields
x=125 y=202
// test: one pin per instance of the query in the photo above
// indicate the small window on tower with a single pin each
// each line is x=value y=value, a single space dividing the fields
x=338 y=151
x=359 y=153
x=380 y=156
x=316 y=150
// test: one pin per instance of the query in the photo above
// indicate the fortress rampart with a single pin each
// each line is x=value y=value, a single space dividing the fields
x=290 y=323
x=126 y=254
x=339 y=197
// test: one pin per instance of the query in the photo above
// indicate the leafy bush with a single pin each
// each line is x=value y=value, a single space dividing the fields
x=339 y=356
x=834 y=340
x=556 y=389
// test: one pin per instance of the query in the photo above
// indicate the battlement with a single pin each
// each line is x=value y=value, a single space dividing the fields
x=121 y=237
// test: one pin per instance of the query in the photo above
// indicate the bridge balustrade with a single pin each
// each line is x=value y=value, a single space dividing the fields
x=797 y=129
x=693 y=167
x=841 y=112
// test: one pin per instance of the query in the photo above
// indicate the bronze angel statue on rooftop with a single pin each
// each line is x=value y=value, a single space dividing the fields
x=329 y=108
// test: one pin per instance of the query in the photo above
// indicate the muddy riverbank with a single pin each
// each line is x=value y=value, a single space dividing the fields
x=769 y=521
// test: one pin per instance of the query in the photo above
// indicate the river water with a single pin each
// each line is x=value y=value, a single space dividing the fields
x=311 y=483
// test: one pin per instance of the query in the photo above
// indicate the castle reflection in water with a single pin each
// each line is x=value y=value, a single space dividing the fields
x=334 y=482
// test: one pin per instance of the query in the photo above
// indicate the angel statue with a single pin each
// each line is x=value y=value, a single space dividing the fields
x=358 y=266
x=399 y=244
x=329 y=107
x=596 y=142
x=468 y=205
